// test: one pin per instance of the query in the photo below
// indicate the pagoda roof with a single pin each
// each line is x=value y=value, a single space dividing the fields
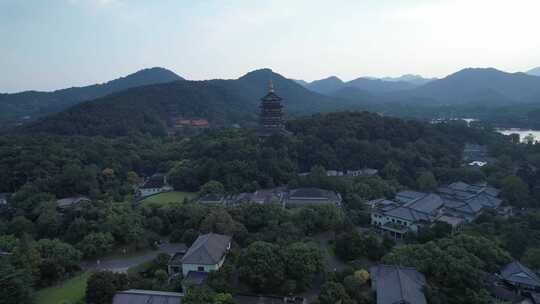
x=271 y=96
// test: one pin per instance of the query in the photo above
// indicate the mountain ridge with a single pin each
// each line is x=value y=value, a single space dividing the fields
x=27 y=105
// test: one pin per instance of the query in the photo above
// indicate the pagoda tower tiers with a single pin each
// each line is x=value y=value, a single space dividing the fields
x=271 y=114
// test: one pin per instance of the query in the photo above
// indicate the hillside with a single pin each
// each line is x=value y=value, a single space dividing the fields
x=149 y=109
x=477 y=86
x=28 y=105
x=326 y=85
x=534 y=72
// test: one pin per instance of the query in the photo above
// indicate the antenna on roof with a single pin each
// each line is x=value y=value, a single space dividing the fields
x=270 y=85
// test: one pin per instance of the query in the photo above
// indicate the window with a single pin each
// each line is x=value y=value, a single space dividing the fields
x=200 y=268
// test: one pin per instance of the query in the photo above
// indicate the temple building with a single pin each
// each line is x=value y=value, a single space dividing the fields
x=271 y=115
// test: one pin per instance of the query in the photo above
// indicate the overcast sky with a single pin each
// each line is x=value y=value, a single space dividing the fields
x=52 y=44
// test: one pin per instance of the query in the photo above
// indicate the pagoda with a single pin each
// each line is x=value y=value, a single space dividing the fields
x=271 y=114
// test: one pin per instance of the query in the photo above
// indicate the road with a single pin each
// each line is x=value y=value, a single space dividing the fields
x=121 y=264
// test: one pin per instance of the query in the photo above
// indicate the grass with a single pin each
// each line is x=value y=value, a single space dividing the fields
x=167 y=197
x=70 y=290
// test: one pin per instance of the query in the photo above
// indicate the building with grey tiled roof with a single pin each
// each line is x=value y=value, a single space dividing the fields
x=311 y=196
x=395 y=284
x=137 y=296
x=521 y=277
x=206 y=254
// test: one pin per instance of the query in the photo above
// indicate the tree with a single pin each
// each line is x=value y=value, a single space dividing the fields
x=96 y=244
x=102 y=285
x=15 y=284
x=515 y=191
x=133 y=178
x=302 y=262
x=26 y=256
x=261 y=266
x=332 y=293
x=426 y=181
x=532 y=258
x=212 y=187
x=190 y=236
x=58 y=258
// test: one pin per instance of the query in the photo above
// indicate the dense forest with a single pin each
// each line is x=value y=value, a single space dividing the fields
x=48 y=244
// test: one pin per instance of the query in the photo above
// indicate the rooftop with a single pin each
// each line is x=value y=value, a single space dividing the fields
x=396 y=284
x=517 y=273
x=208 y=249
x=137 y=296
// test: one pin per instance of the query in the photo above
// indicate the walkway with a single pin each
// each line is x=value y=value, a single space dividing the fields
x=121 y=264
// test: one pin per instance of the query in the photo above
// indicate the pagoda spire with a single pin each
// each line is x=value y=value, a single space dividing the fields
x=270 y=85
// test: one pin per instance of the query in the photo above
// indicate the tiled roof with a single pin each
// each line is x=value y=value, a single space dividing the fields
x=396 y=284
x=69 y=201
x=195 y=278
x=208 y=249
x=517 y=273
x=136 y=296
x=259 y=299
x=155 y=181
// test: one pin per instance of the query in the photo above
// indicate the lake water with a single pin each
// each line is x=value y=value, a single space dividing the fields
x=522 y=133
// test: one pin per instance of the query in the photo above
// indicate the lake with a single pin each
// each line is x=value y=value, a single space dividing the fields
x=522 y=133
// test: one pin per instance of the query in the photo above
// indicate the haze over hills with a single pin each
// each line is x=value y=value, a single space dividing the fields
x=151 y=108
x=410 y=78
x=534 y=72
x=31 y=104
x=224 y=102
x=332 y=84
x=474 y=85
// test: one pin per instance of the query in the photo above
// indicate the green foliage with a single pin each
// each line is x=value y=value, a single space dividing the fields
x=332 y=292
x=515 y=191
x=57 y=259
x=262 y=266
x=303 y=261
x=15 y=284
x=95 y=244
x=426 y=181
x=455 y=266
x=212 y=187
x=102 y=285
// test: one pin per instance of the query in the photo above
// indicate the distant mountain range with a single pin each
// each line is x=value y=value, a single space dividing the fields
x=480 y=85
x=29 y=105
x=332 y=84
x=150 y=109
x=534 y=72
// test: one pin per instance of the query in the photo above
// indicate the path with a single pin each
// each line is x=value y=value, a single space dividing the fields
x=121 y=264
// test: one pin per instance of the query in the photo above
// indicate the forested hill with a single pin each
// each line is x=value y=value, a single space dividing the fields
x=149 y=109
x=28 y=105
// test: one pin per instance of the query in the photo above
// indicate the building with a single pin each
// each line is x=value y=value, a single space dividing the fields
x=206 y=254
x=456 y=204
x=174 y=267
x=366 y=172
x=409 y=211
x=520 y=277
x=501 y=293
x=271 y=115
x=259 y=299
x=4 y=198
x=157 y=183
x=70 y=202
x=261 y=196
x=213 y=199
x=395 y=284
x=468 y=201
x=311 y=196
x=138 y=296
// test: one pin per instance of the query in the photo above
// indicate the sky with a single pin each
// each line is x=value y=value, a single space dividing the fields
x=53 y=44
